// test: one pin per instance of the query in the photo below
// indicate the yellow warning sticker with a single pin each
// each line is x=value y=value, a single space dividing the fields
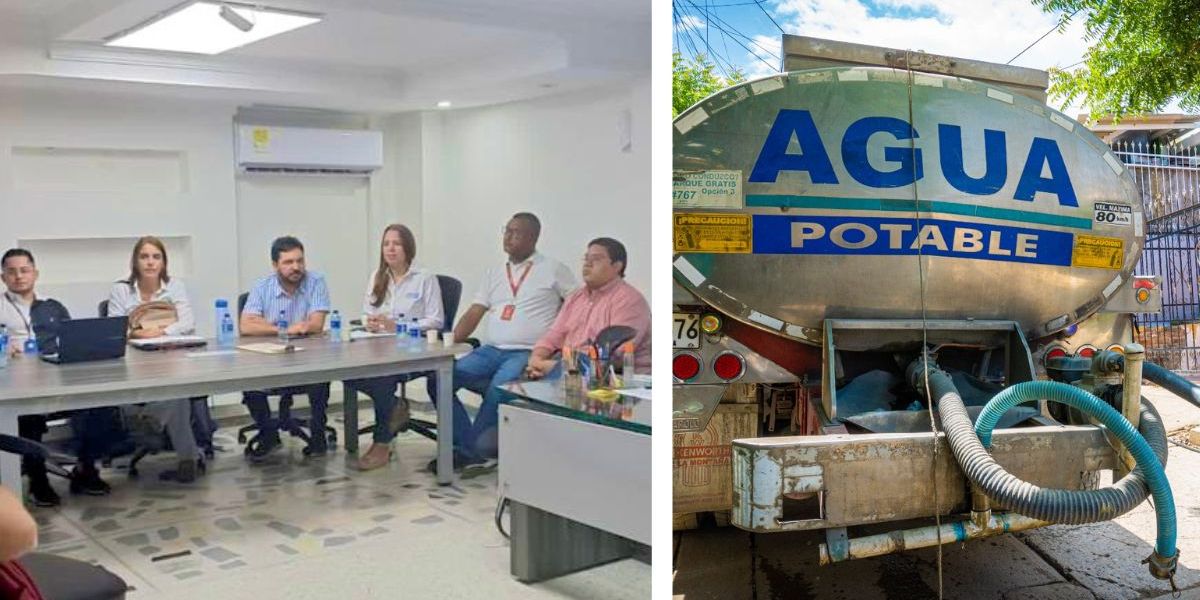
x=262 y=138
x=1098 y=252
x=712 y=232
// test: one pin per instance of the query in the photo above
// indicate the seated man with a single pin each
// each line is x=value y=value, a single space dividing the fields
x=27 y=317
x=520 y=301
x=605 y=300
x=302 y=299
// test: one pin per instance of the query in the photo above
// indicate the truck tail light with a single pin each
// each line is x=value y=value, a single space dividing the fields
x=729 y=365
x=685 y=366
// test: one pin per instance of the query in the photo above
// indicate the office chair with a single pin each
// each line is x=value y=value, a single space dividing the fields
x=294 y=426
x=200 y=412
x=59 y=577
x=451 y=289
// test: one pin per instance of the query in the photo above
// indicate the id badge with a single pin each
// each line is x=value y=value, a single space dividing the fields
x=31 y=347
x=506 y=314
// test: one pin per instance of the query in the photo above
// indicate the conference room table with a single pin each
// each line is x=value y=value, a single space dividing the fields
x=31 y=386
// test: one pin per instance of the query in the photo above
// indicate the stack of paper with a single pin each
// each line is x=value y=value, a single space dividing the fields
x=269 y=348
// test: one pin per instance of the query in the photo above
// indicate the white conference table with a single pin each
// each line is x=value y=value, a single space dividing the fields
x=31 y=386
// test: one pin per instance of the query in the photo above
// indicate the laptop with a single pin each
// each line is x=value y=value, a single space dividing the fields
x=83 y=340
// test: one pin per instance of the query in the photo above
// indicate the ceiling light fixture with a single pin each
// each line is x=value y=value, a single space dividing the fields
x=233 y=18
x=443 y=104
x=210 y=27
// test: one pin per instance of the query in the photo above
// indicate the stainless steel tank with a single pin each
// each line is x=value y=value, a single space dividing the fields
x=807 y=196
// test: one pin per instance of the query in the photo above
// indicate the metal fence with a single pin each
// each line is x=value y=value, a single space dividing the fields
x=1169 y=181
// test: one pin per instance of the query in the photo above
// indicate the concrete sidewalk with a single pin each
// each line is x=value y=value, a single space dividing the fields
x=1101 y=560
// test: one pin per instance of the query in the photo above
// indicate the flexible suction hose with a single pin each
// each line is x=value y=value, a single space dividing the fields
x=1166 y=379
x=1060 y=506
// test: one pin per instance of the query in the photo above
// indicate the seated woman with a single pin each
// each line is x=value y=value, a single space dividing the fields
x=149 y=282
x=397 y=290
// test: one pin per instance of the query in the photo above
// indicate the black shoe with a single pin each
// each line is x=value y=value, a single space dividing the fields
x=186 y=473
x=262 y=446
x=315 y=450
x=461 y=461
x=42 y=493
x=86 y=480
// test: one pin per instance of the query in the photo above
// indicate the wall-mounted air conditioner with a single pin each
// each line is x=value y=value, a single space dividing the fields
x=306 y=151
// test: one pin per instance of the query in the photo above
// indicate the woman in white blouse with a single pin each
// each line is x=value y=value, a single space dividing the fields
x=149 y=282
x=397 y=290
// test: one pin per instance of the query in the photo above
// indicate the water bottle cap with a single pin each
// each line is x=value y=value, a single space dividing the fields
x=222 y=303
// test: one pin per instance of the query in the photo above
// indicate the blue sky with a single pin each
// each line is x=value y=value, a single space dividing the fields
x=995 y=30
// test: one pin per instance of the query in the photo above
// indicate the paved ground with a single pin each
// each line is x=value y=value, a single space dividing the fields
x=1060 y=562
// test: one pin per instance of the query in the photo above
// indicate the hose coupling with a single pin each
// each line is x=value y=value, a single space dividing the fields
x=1162 y=567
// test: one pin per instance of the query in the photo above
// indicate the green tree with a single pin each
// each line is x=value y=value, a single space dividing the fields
x=693 y=80
x=1144 y=54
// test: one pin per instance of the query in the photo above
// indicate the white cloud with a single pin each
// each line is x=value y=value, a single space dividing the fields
x=994 y=30
x=690 y=22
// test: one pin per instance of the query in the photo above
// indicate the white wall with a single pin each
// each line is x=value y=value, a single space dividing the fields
x=126 y=166
x=559 y=157
x=82 y=177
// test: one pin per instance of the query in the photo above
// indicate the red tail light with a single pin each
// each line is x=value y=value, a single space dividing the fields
x=1054 y=352
x=1086 y=351
x=729 y=365
x=685 y=366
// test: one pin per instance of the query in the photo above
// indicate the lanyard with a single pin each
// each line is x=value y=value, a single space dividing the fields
x=517 y=285
x=28 y=327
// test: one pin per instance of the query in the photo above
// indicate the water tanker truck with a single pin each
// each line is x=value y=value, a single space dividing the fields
x=937 y=270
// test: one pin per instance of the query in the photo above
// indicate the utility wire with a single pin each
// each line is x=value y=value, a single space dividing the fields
x=725 y=31
x=1035 y=42
x=730 y=28
x=764 y=11
x=718 y=24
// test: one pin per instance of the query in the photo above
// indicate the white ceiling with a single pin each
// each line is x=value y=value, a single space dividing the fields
x=377 y=56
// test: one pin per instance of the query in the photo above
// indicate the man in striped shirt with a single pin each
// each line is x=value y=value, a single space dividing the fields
x=302 y=299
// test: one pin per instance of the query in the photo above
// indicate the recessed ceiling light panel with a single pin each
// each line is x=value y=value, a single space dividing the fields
x=210 y=28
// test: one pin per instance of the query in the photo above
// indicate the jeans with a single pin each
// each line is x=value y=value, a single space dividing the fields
x=382 y=391
x=481 y=371
x=260 y=411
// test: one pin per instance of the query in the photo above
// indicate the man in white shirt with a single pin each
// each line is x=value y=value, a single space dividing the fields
x=520 y=300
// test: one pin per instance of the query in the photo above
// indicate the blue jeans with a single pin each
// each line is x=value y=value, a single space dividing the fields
x=481 y=371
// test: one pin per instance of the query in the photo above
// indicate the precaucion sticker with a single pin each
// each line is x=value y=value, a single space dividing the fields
x=712 y=232
x=1114 y=214
x=1098 y=252
x=707 y=189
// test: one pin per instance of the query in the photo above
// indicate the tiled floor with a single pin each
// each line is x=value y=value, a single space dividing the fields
x=308 y=529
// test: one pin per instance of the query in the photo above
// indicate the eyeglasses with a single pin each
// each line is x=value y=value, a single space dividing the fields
x=20 y=271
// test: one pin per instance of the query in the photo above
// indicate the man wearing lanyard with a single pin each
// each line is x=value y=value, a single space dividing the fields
x=19 y=273
x=520 y=302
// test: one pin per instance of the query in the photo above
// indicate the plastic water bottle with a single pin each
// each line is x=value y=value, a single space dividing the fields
x=4 y=341
x=627 y=364
x=226 y=334
x=224 y=323
x=335 y=326
x=415 y=339
x=401 y=332
x=281 y=324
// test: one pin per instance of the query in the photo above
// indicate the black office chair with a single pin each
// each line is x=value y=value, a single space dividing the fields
x=59 y=577
x=451 y=289
x=294 y=426
x=200 y=416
